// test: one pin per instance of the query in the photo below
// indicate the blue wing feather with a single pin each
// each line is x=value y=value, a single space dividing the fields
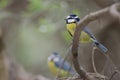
x=66 y=65
x=98 y=44
x=89 y=33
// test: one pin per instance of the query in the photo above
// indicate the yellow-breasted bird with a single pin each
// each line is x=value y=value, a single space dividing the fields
x=86 y=35
x=54 y=63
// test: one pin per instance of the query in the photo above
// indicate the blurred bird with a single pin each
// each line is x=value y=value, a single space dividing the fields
x=54 y=63
x=86 y=35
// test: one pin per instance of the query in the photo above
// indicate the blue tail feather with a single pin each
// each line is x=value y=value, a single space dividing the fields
x=100 y=46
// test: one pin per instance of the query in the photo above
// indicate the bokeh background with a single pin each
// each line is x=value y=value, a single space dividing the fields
x=34 y=29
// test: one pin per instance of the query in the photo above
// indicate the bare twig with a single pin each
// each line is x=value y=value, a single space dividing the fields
x=84 y=22
x=80 y=26
x=112 y=75
x=115 y=11
x=93 y=62
x=115 y=72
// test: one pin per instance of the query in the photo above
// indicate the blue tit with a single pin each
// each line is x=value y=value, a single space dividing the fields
x=86 y=36
x=54 y=64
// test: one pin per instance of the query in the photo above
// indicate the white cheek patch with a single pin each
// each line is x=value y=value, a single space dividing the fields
x=71 y=20
x=56 y=59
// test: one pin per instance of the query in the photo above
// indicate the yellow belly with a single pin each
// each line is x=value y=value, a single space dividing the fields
x=54 y=70
x=84 y=37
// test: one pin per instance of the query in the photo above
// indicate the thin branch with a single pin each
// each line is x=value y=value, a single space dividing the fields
x=115 y=10
x=113 y=75
x=84 y=22
x=87 y=19
x=93 y=61
x=115 y=72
